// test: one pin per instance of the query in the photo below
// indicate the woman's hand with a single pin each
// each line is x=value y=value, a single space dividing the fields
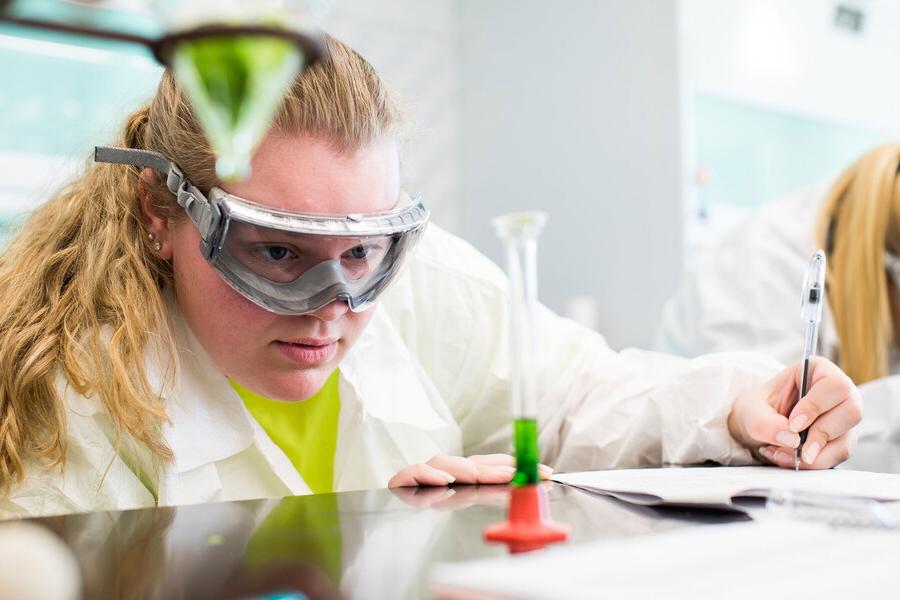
x=765 y=420
x=443 y=469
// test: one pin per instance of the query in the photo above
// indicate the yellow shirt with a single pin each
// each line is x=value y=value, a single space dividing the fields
x=305 y=431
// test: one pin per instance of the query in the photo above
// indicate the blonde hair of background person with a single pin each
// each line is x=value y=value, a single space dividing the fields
x=80 y=295
x=859 y=222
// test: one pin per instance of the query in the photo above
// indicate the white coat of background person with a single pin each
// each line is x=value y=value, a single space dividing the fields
x=744 y=291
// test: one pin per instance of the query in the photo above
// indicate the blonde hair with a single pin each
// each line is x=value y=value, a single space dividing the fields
x=80 y=293
x=859 y=221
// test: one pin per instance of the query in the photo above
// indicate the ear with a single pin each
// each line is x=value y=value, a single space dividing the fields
x=156 y=225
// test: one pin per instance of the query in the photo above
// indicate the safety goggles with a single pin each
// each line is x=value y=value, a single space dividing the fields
x=285 y=261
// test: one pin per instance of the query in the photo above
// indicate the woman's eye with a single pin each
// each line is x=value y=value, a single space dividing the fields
x=276 y=252
x=359 y=252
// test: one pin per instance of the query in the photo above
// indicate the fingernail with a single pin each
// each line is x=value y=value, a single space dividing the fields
x=506 y=469
x=545 y=469
x=799 y=422
x=766 y=451
x=782 y=456
x=450 y=478
x=810 y=452
x=787 y=438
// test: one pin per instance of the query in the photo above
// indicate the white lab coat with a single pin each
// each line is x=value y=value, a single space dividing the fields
x=744 y=291
x=429 y=375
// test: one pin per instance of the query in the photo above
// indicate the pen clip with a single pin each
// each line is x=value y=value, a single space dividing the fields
x=813 y=293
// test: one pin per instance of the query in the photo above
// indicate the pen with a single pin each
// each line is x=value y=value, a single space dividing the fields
x=811 y=313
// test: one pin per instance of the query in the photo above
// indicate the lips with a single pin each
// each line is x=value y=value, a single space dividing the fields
x=308 y=352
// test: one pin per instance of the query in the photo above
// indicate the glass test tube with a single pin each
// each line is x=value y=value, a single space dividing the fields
x=519 y=232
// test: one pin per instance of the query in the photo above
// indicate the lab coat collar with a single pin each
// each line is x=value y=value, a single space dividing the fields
x=207 y=420
x=392 y=416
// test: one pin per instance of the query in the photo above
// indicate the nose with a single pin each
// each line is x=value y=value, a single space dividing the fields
x=332 y=311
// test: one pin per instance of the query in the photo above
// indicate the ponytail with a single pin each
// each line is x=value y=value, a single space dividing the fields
x=858 y=223
x=135 y=128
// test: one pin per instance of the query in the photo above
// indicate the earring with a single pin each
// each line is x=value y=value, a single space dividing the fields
x=156 y=244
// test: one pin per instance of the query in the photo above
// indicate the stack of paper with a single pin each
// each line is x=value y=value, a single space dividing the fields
x=719 y=486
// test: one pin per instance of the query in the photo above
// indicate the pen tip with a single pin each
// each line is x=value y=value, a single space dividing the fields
x=797 y=462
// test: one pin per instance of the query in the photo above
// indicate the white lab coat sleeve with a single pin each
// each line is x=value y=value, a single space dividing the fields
x=38 y=494
x=84 y=485
x=602 y=409
x=598 y=408
x=95 y=475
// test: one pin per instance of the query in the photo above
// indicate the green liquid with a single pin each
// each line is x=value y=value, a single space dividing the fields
x=527 y=455
x=235 y=84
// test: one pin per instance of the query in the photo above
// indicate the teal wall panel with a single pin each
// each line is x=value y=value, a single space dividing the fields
x=754 y=154
x=60 y=95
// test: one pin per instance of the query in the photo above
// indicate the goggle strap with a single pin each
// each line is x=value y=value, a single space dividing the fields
x=201 y=212
x=132 y=156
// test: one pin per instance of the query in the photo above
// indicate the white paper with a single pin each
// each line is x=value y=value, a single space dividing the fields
x=775 y=559
x=719 y=485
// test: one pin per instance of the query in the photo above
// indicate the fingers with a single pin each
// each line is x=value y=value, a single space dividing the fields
x=830 y=426
x=828 y=412
x=764 y=426
x=829 y=388
x=833 y=453
x=463 y=469
x=758 y=415
x=442 y=470
x=782 y=457
x=421 y=474
x=469 y=471
x=544 y=471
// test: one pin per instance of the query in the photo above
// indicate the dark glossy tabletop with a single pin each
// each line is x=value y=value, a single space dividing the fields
x=370 y=544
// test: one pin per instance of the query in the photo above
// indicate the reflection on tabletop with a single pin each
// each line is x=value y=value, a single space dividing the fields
x=368 y=544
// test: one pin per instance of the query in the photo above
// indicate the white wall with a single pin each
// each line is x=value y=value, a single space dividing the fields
x=574 y=107
x=414 y=47
x=788 y=55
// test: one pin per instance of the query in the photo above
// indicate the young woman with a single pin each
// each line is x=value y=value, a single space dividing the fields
x=166 y=338
x=744 y=292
